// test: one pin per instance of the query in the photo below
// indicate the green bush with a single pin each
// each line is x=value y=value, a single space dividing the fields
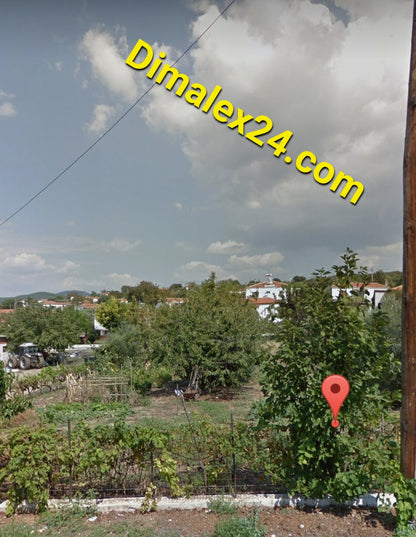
x=240 y=527
x=142 y=381
x=5 y=382
x=222 y=506
x=14 y=406
x=66 y=517
x=320 y=336
x=30 y=454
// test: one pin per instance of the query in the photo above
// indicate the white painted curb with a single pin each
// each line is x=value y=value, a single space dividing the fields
x=270 y=501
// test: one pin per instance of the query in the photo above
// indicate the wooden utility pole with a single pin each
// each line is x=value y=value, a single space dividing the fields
x=408 y=411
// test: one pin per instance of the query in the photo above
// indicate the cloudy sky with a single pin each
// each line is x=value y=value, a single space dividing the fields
x=170 y=194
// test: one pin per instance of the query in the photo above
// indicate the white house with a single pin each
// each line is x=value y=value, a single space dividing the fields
x=4 y=355
x=373 y=292
x=265 y=295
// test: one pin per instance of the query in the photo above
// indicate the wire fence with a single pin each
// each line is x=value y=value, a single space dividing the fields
x=199 y=457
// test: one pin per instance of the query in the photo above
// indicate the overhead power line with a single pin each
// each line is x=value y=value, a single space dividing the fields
x=90 y=147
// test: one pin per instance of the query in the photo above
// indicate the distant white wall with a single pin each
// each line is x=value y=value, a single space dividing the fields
x=4 y=355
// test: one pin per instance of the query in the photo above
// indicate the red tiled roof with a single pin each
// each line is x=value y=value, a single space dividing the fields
x=90 y=305
x=262 y=285
x=372 y=285
x=262 y=301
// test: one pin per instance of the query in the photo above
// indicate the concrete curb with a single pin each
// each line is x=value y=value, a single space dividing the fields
x=270 y=501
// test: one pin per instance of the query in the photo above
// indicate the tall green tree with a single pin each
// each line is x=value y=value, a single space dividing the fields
x=112 y=313
x=145 y=293
x=46 y=327
x=318 y=337
x=215 y=329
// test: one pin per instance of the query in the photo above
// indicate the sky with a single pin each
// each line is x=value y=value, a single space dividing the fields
x=171 y=194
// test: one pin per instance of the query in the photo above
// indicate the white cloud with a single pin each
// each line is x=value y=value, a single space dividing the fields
x=115 y=279
x=387 y=257
x=201 y=266
x=107 y=58
x=198 y=271
x=102 y=113
x=270 y=260
x=121 y=245
x=67 y=245
x=179 y=205
x=341 y=90
x=110 y=281
x=226 y=248
x=7 y=109
x=25 y=261
x=69 y=267
x=58 y=66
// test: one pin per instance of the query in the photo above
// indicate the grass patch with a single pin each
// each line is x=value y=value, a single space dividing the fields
x=241 y=527
x=222 y=506
x=219 y=411
x=60 y=413
x=19 y=529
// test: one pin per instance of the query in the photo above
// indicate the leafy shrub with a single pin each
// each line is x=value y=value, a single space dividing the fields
x=14 y=406
x=162 y=377
x=67 y=516
x=142 y=381
x=222 y=506
x=167 y=467
x=320 y=336
x=240 y=527
x=405 y=492
x=5 y=382
x=30 y=453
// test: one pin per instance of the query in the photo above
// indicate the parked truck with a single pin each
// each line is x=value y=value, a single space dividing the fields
x=28 y=356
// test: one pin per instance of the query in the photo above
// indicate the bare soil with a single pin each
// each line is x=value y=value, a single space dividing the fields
x=280 y=522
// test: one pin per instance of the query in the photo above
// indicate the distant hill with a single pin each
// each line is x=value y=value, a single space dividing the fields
x=72 y=292
x=44 y=294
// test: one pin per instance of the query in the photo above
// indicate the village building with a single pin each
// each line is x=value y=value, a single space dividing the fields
x=265 y=296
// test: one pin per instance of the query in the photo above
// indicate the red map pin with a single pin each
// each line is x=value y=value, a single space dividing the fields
x=335 y=389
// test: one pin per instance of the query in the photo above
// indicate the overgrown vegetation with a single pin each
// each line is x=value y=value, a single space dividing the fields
x=318 y=337
x=48 y=328
x=215 y=329
x=79 y=447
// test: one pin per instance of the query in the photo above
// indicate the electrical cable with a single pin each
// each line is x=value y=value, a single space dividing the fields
x=88 y=149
